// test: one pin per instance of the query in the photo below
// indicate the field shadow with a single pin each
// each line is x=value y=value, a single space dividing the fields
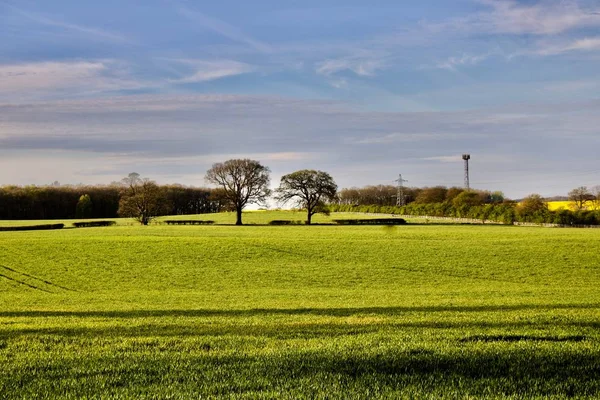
x=521 y=373
x=334 y=312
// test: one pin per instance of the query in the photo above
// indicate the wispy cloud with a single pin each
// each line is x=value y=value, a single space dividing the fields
x=96 y=33
x=553 y=48
x=543 y=18
x=515 y=17
x=451 y=63
x=359 y=66
x=204 y=71
x=31 y=80
x=223 y=28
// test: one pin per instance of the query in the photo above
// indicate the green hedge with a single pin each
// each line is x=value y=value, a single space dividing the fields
x=285 y=222
x=371 y=221
x=92 y=224
x=188 y=222
x=506 y=213
x=32 y=227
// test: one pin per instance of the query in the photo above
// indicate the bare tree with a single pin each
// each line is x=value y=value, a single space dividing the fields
x=243 y=182
x=141 y=199
x=580 y=196
x=310 y=188
x=595 y=191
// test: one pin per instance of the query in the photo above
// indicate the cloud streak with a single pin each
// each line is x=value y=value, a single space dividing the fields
x=35 y=80
x=92 y=32
x=224 y=29
x=204 y=70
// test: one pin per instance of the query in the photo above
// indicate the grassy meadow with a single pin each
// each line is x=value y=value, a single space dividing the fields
x=414 y=311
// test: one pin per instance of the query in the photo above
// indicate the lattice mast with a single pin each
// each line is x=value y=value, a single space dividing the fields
x=466 y=157
x=400 y=198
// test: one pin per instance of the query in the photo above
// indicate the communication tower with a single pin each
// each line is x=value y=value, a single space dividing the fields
x=466 y=157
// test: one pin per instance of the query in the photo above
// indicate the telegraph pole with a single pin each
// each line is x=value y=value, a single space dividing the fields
x=400 y=199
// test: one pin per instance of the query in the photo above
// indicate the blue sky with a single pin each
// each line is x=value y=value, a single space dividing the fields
x=90 y=91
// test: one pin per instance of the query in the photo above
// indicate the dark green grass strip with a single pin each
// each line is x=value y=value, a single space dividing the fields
x=519 y=338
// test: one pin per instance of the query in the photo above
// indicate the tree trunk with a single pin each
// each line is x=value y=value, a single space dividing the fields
x=308 y=218
x=238 y=220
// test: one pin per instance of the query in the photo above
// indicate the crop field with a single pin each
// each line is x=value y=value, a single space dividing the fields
x=567 y=205
x=414 y=311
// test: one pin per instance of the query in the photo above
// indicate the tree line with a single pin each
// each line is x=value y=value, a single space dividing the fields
x=455 y=202
x=66 y=202
x=241 y=182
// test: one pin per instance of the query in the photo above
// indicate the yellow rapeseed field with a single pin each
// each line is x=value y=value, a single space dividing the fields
x=568 y=205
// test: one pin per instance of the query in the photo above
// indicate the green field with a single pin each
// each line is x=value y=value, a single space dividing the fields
x=415 y=311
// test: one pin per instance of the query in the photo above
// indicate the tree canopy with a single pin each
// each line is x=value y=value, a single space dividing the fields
x=311 y=189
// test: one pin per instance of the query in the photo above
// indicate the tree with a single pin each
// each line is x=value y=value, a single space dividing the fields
x=435 y=194
x=580 y=196
x=532 y=208
x=596 y=197
x=243 y=182
x=84 y=207
x=310 y=188
x=141 y=199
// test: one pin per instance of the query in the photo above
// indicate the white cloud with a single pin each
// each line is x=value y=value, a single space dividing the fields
x=552 y=48
x=30 y=80
x=211 y=70
x=543 y=18
x=359 y=66
x=546 y=17
x=451 y=63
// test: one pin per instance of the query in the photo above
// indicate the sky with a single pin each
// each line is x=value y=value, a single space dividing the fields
x=91 y=91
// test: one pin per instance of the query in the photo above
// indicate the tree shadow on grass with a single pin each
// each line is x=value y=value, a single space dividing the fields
x=304 y=331
x=334 y=312
x=341 y=374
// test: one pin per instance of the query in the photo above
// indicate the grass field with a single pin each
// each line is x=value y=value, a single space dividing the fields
x=416 y=311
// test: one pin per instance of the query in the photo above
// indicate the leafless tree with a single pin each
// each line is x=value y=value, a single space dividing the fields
x=581 y=196
x=243 y=182
x=141 y=199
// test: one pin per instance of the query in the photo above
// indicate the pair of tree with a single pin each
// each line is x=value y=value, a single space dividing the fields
x=245 y=181
x=241 y=182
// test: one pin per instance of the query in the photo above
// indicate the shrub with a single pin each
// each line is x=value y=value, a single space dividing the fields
x=285 y=222
x=371 y=221
x=32 y=227
x=188 y=222
x=92 y=224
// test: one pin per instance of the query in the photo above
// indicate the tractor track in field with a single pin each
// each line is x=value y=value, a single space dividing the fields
x=24 y=283
x=38 y=279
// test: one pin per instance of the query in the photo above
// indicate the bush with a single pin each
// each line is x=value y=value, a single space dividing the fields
x=372 y=221
x=285 y=222
x=188 y=222
x=32 y=227
x=92 y=224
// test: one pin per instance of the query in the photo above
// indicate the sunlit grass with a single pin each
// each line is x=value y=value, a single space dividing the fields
x=300 y=312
